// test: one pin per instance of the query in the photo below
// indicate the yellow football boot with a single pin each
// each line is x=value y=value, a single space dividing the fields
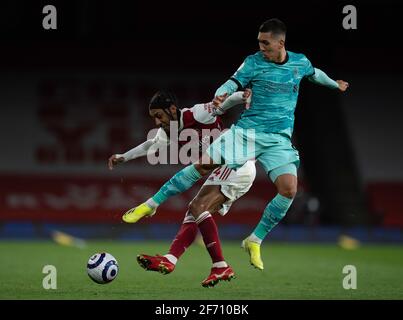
x=253 y=249
x=135 y=214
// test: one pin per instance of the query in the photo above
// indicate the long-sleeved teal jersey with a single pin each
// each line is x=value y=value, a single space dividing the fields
x=275 y=89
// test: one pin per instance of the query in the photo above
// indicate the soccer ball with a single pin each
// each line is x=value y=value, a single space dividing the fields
x=102 y=267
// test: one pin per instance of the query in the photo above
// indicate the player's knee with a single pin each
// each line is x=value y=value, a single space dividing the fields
x=202 y=204
x=197 y=207
x=288 y=191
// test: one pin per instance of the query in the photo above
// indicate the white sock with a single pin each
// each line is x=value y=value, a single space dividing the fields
x=254 y=238
x=220 y=264
x=171 y=258
x=151 y=203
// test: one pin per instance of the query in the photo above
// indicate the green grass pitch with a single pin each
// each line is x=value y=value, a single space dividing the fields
x=292 y=271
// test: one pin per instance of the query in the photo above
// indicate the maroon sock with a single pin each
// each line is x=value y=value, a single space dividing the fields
x=183 y=239
x=209 y=231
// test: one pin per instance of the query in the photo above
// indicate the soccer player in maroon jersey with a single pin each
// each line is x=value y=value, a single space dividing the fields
x=222 y=187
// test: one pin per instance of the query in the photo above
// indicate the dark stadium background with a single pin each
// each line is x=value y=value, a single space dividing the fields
x=72 y=97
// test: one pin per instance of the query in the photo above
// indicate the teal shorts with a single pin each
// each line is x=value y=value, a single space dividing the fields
x=238 y=145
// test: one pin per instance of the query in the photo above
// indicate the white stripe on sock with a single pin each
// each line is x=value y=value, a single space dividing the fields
x=151 y=203
x=210 y=244
x=171 y=258
x=188 y=218
x=220 y=264
x=203 y=217
x=254 y=238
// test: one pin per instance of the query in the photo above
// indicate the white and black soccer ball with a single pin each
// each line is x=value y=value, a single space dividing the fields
x=102 y=267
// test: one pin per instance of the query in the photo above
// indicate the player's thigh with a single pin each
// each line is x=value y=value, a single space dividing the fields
x=209 y=198
x=233 y=183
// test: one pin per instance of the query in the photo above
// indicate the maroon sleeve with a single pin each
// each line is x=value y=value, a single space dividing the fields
x=188 y=119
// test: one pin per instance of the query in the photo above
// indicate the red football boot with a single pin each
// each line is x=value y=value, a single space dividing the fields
x=166 y=266
x=218 y=274
x=149 y=263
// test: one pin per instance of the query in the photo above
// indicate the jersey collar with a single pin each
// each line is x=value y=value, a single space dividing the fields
x=285 y=60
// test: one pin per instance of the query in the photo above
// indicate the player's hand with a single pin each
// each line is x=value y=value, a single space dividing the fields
x=247 y=96
x=218 y=100
x=114 y=160
x=343 y=85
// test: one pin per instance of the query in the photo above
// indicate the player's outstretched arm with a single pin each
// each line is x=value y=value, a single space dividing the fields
x=237 y=98
x=139 y=151
x=227 y=88
x=323 y=79
x=152 y=145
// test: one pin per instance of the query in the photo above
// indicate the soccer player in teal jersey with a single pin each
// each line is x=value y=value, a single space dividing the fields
x=274 y=75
